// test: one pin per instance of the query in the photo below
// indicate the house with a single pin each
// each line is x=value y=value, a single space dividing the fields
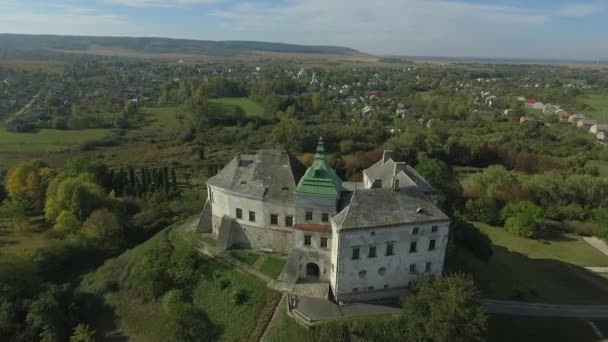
x=367 y=111
x=521 y=99
x=550 y=109
x=400 y=112
x=372 y=94
x=562 y=115
x=508 y=111
x=585 y=123
x=601 y=135
x=573 y=119
x=539 y=105
x=598 y=128
x=530 y=102
x=364 y=241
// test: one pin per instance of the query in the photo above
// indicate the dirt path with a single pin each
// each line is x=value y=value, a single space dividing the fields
x=597 y=243
x=27 y=106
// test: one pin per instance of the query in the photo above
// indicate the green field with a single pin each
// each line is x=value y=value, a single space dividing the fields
x=228 y=104
x=44 y=143
x=549 y=270
x=599 y=103
x=47 y=67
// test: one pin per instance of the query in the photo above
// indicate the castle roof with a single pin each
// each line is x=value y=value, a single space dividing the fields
x=387 y=170
x=320 y=179
x=386 y=207
x=269 y=175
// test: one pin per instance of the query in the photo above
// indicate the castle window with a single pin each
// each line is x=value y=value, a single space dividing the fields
x=370 y=288
x=239 y=213
x=427 y=267
x=434 y=229
x=413 y=247
x=252 y=216
x=309 y=216
x=356 y=289
x=323 y=242
x=274 y=219
x=389 y=249
x=412 y=268
x=362 y=273
x=415 y=231
x=289 y=221
x=431 y=245
x=382 y=270
x=307 y=240
x=373 y=233
x=372 y=252
x=377 y=183
x=325 y=217
x=355 y=253
x=386 y=286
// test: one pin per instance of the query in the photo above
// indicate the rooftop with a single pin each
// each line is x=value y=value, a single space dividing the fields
x=386 y=207
x=320 y=179
x=269 y=175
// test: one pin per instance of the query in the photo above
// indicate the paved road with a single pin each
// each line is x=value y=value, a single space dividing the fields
x=545 y=310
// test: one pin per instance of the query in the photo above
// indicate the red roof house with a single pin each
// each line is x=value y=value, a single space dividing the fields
x=530 y=102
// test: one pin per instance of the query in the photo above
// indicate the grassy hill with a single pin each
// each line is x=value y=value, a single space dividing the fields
x=237 y=305
x=161 y=45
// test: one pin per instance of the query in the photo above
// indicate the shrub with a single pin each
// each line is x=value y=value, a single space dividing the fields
x=66 y=223
x=523 y=219
x=240 y=296
x=103 y=226
x=172 y=301
x=483 y=209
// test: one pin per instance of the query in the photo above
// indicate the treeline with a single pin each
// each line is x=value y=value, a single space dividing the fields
x=89 y=221
x=551 y=195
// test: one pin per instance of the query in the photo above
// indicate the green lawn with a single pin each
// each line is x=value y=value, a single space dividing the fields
x=146 y=321
x=244 y=256
x=536 y=270
x=272 y=266
x=250 y=108
x=599 y=103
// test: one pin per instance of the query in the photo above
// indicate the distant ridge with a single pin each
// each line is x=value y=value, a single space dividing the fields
x=161 y=45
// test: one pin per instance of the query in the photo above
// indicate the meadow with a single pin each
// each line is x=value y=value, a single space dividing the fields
x=549 y=270
x=229 y=104
x=599 y=103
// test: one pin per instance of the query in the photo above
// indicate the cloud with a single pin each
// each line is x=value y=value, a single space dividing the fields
x=59 y=18
x=159 y=3
x=576 y=10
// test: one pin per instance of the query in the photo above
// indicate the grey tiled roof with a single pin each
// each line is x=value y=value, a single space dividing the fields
x=269 y=175
x=386 y=207
x=387 y=169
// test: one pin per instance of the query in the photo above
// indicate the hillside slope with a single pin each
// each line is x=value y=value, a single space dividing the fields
x=161 y=45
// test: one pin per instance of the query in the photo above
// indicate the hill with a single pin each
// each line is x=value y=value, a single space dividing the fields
x=161 y=45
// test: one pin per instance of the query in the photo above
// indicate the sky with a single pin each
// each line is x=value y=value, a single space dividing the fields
x=548 y=29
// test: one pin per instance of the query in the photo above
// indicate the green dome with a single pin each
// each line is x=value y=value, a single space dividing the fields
x=320 y=179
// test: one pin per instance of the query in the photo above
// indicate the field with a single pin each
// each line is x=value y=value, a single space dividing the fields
x=229 y=104
x=48 y=67
x=44 y=144
x=600 y=107
x=549 y=270
x=145 y=321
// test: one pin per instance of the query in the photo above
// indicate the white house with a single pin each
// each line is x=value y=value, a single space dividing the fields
x=366 y=241
x=595 y=129
x=539 y=105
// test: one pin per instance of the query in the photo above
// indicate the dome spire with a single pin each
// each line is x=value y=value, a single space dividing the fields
x=320 y=150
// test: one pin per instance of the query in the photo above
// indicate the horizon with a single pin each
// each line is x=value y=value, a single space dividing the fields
x=497 y=29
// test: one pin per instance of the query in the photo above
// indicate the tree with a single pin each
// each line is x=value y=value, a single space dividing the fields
x=66 y=223
x=440 y=176
x=82 y=333
x=523 y=219
x=288 y=133
x=78 y=195
x=28 y=181
x=443 y=308
x=15 y=212
x=104 y=227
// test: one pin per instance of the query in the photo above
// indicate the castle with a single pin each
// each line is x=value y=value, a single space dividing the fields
x=368 y=240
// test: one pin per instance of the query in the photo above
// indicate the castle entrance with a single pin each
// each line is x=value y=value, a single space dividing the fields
x=312 y=271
